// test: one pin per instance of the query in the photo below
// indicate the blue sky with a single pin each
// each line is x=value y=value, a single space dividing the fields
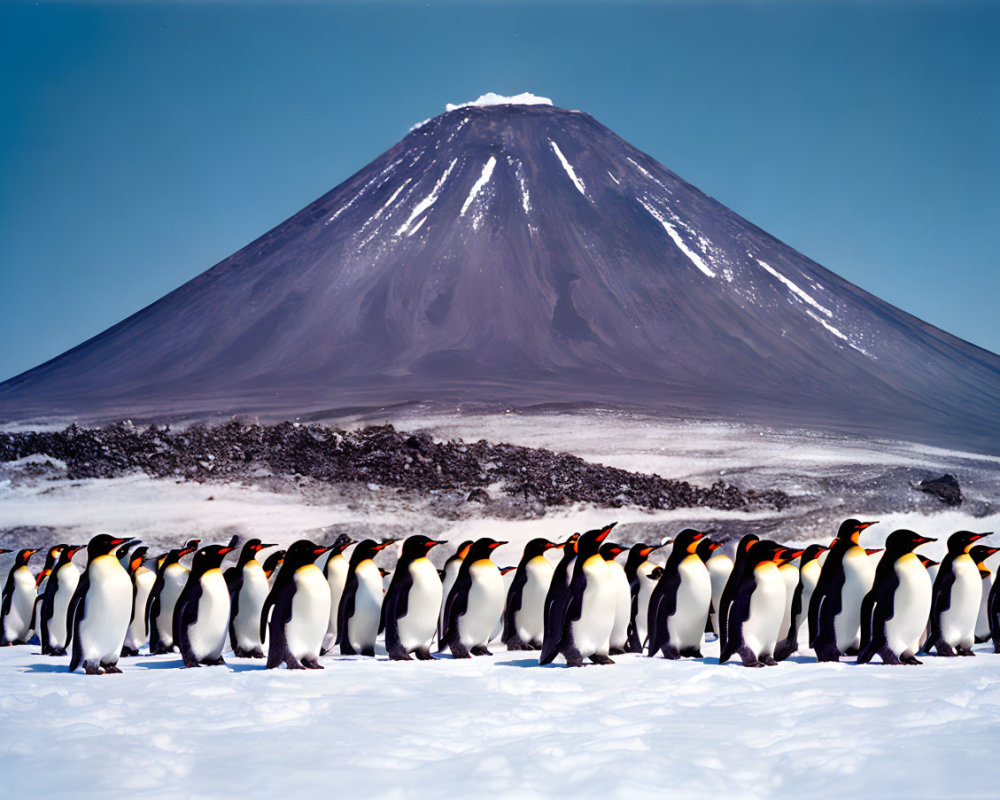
x=142 y=143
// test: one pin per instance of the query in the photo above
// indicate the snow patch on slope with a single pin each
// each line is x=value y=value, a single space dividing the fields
x=569 y=169
x=691 y=254
x=481 y=181
x=426 y=203
x=494 y=99
x=794 y=288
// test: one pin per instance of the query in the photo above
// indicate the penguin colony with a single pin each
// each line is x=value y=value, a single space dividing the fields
x=596 y=600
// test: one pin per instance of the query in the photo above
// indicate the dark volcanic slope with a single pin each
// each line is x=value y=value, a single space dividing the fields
x=525 y=255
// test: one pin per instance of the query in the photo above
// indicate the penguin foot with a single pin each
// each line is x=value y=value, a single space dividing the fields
x=368 y=651
x=573 y=658
x=600 y=658
x=670 y=652
x=59 y=651
x=128 y=652
x=944 y=649
x=481 y=650
x=459 y=650
x=768 y=661
x=424 y=654
x=691 y=652
x=965 y=651
x=514 y=643
x=92 y=669
x=398 y=653
x=218 y=662
x=827 y=654
x=910 y=660
x=851 y=651
x=617 y=651
x=111 y=669
x=311 y=663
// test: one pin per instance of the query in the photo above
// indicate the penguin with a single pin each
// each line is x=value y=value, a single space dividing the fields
x=678 y=607
x=143 y=579
x=449 y=574
x=736 y=577
x=100 y=609
x=894 y=611
x=271 y=564
x=979 y=554
x=583 y=620
x=475 y=602
x=507 y=574
x=361 y=602
x=412 y=600
x=524 y=609
x=790 y=575
x=835 y=606
x=932 y=569
x=808 y=575
x=753 y=617
x=955 y=598
x=247 y=587
x=335 y=570
x=201 y=614
x=171 y=576
x=639 y=570
x=720 y=566
x=297 y=609
x=54 y=601
x=19 y=593
x=122 y=552
x=705 y=550
x=623 y=598
x=556 y=596
x=50 y=561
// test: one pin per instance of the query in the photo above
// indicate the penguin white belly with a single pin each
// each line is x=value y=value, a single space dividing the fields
x=417 y=626
x=809 y=576
x=336 y=577
x=958 y=623
x=137 y=632
x=761 y=629
x=253 y=593
x=362 y=627
x=484 y=606
x=17 y=623
x=623 y=605
x=69 y=578
x=646 y=586
x=983 y=620
x=507 y=579
x=173 y=584
x=530 y=618
x=686 y=625
x=106 y=611
x=790 y=575
x=592 y=632
x=910 y=606
x=859 y=574
x=719 y=569
x=208 y=634
x=310 y=612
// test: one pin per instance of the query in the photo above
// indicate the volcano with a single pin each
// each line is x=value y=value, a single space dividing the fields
x=517 y=255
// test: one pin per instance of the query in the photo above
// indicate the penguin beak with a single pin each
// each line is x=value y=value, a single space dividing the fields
x=431 y=544
x=795 y=554
x=495 y=545
x=664 y=544
x=385 y=544
x=924 y=540
x=224 y=550
x=318 y=551
x=604 y=534
x=977 y=536
x=265 y=546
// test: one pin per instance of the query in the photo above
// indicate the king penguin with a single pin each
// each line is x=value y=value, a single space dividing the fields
x=475 y=602
x=524 y=609
x=979 y=554
x=733 y=582
x=19 y=593
x=143 y=579
x=955 y=598
x=448 y=576
x=618 y=643
x=808 y=575
x=361 y=603
x=894 y=612
x=835 y=606
x=678 y=607
x=638 y=570
x=271 y=564
x=753 y=619
x=412 y=600
x=297 y=610
x=335 y=570
x=247 y=587
x=54 y=606
x=171 y=576
x=201 y=616
x=100 y=610
x=51 y=557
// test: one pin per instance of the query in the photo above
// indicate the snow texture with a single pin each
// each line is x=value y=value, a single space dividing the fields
x=677 y=240
x=494 y=99
x=426 y=203
x=481 y=181
x=569 y=169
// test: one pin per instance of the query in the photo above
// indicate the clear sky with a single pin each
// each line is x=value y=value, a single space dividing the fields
x=142 y=143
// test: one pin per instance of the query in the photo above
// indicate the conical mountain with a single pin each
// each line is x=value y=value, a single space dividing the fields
x=516 y=255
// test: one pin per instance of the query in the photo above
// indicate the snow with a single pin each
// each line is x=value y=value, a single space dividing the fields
x=427 y=202
x=500 y=726
x=839 y=334
x=481 y=181
x=519 y=172
x=569 y=169
x=795 y=289
x=493 y=99
x=610 y=175
x=693 y=256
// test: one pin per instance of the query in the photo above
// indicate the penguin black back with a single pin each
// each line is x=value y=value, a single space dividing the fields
x=740 y=560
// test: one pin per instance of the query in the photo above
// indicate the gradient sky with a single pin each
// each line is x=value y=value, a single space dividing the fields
x=140 y=144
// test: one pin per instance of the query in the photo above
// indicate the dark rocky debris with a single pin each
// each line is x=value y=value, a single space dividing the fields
x=945 y=489
x=378 y=455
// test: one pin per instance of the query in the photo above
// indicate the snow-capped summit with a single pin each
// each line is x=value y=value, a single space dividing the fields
x=522 y=254
x=494 y=99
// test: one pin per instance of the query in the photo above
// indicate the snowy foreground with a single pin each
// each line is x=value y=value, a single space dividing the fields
x=502 y=726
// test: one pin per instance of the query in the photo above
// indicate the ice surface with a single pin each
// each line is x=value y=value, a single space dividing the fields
x=481 y=181
x=494 y=99
x=569 y=169
x=500 y=727
x=691 y=254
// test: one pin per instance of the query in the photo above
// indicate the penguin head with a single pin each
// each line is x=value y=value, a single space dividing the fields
x=901 y=542
x=705 y=547
x=191 y=546
x=811 y=553
x=687 y=541
x=850 y=530
x=272 y=562
x=961 y=541
x=301 y=554
x=481 y=549
x=417 y=546
x=981 y=552
x=209 y=558
x=136 y=559
x=340 y=544
x=23 y=556
x=611 y=550
x=746 y=544
x=570 y=544
x=250 y=550
x=368 y=549
x=766 y=550
x=638 y=553
x=123 y=550
x=102 y=545
x=590 y=543
x=461 y=551
x=537 y=547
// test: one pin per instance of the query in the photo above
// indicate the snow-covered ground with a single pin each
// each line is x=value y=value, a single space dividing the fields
x=500 y=727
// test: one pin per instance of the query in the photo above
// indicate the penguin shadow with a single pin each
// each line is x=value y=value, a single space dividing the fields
x=46 y=666
x=526 y=662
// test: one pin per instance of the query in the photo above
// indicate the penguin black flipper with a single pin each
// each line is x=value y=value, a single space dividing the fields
x=152 y=614
x=234 y=583
x=737 y=614
x=513 y=603
x=394 y=606
x=993 y=614
x=186 y=615
x=280 y=597
x=456 y=605
x=662 y=605
x=940 y=599
x=73 y=616
x=879 y=606
x=790 y=643
x=8 y=594
x=826 y=602
x=556 y=602
x=344 y=614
